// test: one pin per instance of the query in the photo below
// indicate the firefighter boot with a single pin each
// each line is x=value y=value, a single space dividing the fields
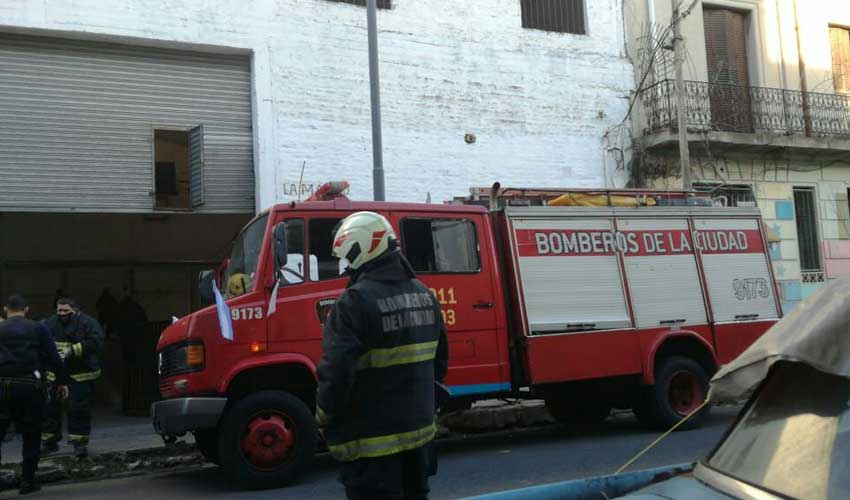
x=28 y=481
x=79 y=416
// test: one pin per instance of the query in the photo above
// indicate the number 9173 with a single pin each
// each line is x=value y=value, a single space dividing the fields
x=246 y=313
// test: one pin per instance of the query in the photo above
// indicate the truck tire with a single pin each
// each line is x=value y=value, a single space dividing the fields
x=578 y=413
x=681 y=385
x=266 y=439
x=207 y=442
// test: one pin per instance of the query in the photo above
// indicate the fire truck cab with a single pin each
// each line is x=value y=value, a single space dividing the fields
x=589 y=307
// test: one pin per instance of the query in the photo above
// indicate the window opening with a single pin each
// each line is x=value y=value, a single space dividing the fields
x=441 y=245
x=171 y=169
x=807 y=234
x=323 y=265
x=240 y=276
x=562 y=16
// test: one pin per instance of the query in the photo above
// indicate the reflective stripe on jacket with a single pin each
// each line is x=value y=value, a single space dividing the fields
x=384 y=346
x=83 y=336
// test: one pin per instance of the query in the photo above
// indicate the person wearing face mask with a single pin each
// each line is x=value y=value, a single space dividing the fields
x=79 y=339
x=26 y=352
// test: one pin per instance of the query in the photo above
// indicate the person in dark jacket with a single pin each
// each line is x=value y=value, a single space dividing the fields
x=27 y=352
x=107 y=311
x=79 y=339
x=138 y=353
x=384 y=347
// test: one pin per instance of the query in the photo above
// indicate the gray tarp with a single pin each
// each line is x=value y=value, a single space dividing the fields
x=817 y=332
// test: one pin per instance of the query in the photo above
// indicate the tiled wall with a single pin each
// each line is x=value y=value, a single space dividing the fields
x=777 y=205
x=836 y=258
x=774 y=189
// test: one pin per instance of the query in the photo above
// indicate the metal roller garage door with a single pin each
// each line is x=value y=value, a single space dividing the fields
x=664 y=281
x=77 y=123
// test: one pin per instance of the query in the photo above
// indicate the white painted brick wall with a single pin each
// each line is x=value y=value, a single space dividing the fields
x=538 y=102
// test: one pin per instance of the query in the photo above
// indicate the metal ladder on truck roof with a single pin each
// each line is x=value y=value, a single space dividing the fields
x=497 y=196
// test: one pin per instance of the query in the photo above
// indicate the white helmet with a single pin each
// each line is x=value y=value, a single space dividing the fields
x=361 y=237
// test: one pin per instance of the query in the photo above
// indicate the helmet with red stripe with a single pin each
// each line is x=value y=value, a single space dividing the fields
x=361 y=237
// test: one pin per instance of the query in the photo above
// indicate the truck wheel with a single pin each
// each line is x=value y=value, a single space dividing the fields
x=266 y=439
x=681 y=385
x=576 y=413
x=207 y=442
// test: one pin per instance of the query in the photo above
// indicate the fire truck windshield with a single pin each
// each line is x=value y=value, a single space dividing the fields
x=239 y=276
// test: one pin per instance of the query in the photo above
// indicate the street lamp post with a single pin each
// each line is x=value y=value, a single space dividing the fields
x=375 y=92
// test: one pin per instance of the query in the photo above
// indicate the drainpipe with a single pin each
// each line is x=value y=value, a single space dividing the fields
x=807 y=115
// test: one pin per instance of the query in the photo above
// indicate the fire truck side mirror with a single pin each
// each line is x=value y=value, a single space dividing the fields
x=279 y=248
x=205 y=287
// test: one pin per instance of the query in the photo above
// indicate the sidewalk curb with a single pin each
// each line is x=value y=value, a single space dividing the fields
x=489 y=417
x=495 y=417
x=107 y=465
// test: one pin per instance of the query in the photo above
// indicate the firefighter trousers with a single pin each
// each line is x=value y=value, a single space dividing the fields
x=80 y=396
x=23 y=406
x=403 y=476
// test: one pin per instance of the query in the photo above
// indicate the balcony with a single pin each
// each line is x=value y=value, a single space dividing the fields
x=748 y=119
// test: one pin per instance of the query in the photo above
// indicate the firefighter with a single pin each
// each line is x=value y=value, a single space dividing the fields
x=26 y=353
x=238 y=284
x=79 y=339
x=384 y=347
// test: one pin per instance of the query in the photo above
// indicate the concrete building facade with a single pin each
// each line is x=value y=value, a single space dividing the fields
x=537 y=102
x=224 y=108
x=767 y=91
x=138 y=136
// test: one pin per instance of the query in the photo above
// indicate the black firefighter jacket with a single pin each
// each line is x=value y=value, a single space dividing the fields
x=384 y=346
x=84 y=337
x=26 y=348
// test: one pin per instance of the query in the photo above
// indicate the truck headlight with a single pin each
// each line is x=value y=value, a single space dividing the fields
x=180 y=358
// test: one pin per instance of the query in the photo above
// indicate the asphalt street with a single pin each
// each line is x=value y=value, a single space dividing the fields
x=469 y=466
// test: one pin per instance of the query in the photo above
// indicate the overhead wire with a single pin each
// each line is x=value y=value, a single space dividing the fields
x=657 y=44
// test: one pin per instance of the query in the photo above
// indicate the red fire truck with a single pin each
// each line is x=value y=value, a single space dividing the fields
x=588 y=307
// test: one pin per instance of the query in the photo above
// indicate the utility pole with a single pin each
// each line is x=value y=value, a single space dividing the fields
x=681 y=119
x=375 y=92
x=804 y=87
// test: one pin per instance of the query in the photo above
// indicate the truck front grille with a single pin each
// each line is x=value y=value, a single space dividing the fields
x=171 y=362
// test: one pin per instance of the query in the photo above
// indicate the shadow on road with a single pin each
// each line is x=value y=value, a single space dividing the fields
x=621 y=424
x=469 y=464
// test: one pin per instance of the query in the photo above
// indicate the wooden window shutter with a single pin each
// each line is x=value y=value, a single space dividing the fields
x=726 y=46
x=728 y=69
x=839 y=39
x=196 y=166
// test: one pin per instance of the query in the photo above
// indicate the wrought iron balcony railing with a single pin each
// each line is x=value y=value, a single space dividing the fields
x=734 y=108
